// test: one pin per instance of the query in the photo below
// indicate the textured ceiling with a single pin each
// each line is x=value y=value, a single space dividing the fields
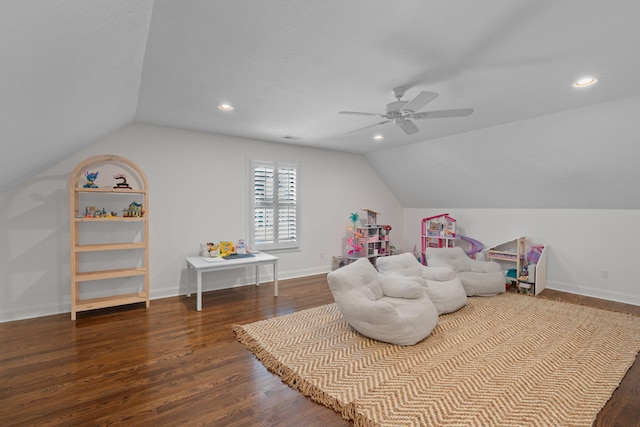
x=74 y=71
x=289 y=67
x=69 y=75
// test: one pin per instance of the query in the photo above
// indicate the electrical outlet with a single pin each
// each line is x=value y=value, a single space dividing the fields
x=321 y=255
x=604 y=274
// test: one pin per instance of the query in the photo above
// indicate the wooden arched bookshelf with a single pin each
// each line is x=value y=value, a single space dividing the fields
x=94 y=231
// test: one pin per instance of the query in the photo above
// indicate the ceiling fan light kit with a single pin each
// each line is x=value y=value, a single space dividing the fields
x=401 y=113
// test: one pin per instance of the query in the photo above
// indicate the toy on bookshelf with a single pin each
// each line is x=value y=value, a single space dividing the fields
x=90 y=211
x=123 y=181
x=91 y=179
x=134 y=210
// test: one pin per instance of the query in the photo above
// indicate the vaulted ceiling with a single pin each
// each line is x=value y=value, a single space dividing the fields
x=74 y=71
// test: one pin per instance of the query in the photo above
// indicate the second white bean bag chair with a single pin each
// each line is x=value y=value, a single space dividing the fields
x=441 y=283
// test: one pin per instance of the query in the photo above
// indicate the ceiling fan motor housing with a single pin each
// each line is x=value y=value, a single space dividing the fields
x=393 y=108
x=401 y=112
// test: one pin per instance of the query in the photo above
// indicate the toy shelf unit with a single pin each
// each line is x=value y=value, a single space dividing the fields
x=530 y=272
x=109 y=247
x=438 y=231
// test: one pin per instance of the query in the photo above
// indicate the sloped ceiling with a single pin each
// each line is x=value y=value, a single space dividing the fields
x=74 y=71
x=70 y=75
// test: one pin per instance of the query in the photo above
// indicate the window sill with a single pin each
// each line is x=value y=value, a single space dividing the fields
x=279 y=250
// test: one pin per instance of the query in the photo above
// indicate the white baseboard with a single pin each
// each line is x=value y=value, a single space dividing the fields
x=303 y=273
x=595 y=293
x=232 y=281
x=21 y=313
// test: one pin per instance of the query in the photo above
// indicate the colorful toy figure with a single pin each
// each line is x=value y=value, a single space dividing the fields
x=214 y=250
x=91 y=179
x=241 y=248
x=227 y=248
x=90 y=211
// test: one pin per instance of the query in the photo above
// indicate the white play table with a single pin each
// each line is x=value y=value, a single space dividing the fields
x=201 y=266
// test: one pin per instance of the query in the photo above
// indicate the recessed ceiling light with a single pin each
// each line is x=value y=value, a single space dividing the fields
x=584 y=82
x=225 y=107
x=378 y=137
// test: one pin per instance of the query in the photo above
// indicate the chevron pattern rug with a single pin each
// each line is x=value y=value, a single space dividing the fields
x=508 y=360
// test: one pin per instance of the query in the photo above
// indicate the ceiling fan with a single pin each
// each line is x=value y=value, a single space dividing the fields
x=401 y=112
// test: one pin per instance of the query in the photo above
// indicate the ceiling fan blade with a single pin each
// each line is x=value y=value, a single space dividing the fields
x=357 y=113
x=407 y=126
x=421 y=99
x=370 y=126
x=442 y=114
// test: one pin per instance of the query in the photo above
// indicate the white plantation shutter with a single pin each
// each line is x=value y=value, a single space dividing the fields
x=274 y=205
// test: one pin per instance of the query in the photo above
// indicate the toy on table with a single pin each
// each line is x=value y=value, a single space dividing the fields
x=242 y=247
x=204 y=250
x=226 y=248
x=214 y=250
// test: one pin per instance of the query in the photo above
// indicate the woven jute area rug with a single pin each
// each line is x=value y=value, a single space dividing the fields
x=508 y=360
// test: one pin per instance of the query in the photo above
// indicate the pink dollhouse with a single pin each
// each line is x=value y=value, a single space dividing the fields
x=438 y=231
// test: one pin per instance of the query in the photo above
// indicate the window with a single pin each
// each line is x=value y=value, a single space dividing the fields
x=274 y=205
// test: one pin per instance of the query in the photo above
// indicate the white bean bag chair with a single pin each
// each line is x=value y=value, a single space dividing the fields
x=479 y=278
x=390 y=309
x=441 y=283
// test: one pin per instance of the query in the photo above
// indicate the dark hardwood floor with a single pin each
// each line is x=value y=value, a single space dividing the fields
x=170 y=365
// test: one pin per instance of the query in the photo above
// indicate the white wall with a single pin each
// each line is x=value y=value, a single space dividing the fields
x=580 y=243
x=198 y=193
